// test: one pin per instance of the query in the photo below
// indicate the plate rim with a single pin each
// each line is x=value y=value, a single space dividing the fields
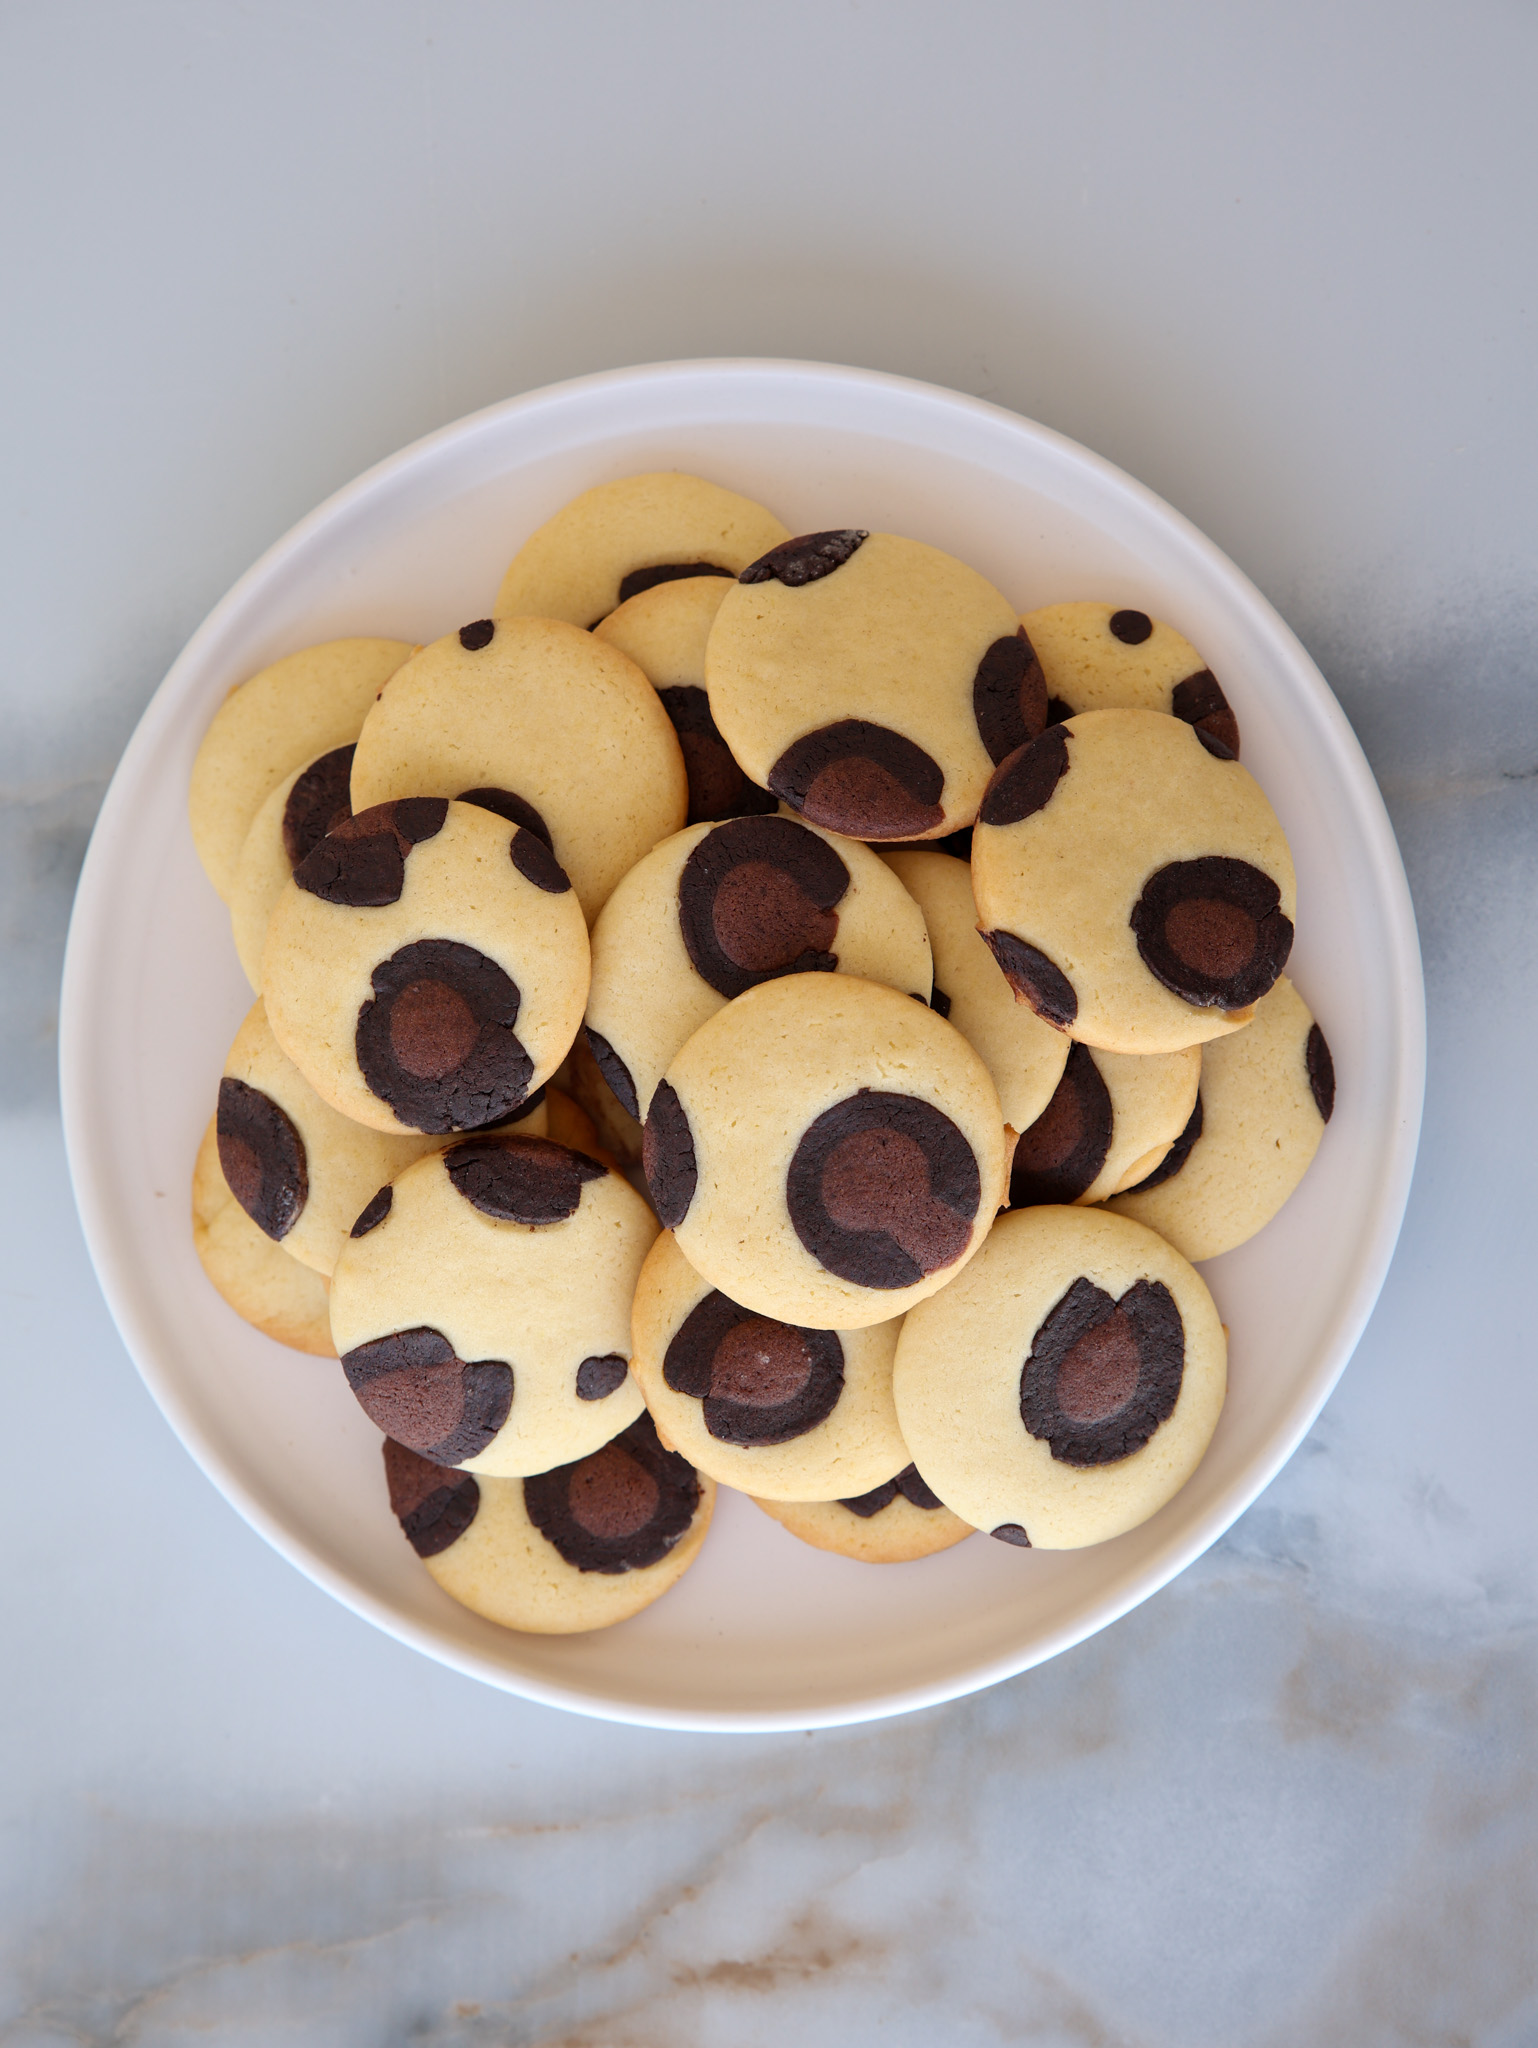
x=84 y=952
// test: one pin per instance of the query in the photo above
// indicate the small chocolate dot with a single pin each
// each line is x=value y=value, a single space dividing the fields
x=598 y=1378
x=478 y=634
x=1011 y=1532
x=1131 y=628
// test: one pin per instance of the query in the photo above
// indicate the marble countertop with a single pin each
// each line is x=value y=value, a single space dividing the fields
x=1280 y=268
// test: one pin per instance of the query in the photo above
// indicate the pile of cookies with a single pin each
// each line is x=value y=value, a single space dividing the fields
x=923 y=962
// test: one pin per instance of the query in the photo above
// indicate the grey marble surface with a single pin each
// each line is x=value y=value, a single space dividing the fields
x=1278 y=265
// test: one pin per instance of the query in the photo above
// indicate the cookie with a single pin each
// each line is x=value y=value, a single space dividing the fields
x=719 y=909
x=265 y=1287
x=664 y=631
x=892 y=1524
x=1106 y=657
x=1113 y=1118
x=482 y=1305
x=545 y=726
x=569 y=1124
x=1067 y=1384
x=618 y=1131
x=872 y=683
x=304 y=807
x=286 y=716
x=1266 y=1095
x=426 y=967
x=580 y=1547
x=301 y=1171
x=781 y=1412
x=1024 y=1055
x=621 y=538
x=1133 y=882
x=826 y=1151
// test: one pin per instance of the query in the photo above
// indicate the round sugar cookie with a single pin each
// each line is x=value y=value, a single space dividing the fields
x=426 y=967
x=1106 y=657
x=279 y=720
x=1111 y=1120
x=781 y=1412
x=722 y=908
x=1024 y=1055
x=585 y=1545
x=265 y=1287
x=482 y=1305
x=1067 y=1384
x=1133 y=882
x=871 y=682
x=663 y=631
x=625 y=537
x=1266 y=1095
x=826 y=1151
x=294 y=817
x=543 y=724
x=301 y=1171
x=894 y=1523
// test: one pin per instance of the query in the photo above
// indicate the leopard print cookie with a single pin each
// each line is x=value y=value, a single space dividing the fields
x=1067 y=1384
x=482 y=1305
x=1105 y=657
x=550 y=728
x=293 y=819
x=580 y=1547
x=663 y=631
x=719 y=909
x=781 y=1412
x=1111 y=1121
x=628 y=536
x=1266 y=1095
x=281 y=719
x=265 y=1287
x=871 y=682
x=426 y=967
x=826 y=1151
x=1133 y=882
x=894 y=1523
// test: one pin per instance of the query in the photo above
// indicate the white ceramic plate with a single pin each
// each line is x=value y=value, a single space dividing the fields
x=764 y=1633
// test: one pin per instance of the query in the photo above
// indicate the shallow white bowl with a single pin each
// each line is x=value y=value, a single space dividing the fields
x=764 y=1633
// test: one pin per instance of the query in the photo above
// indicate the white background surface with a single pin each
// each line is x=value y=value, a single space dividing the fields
x=1280 y=265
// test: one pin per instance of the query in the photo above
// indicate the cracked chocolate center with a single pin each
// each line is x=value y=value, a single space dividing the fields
x=453 y=1062
x=1102 y=1375
x=1212 y=931
x=758 y=1381
x=883 y=1189
x=416 y=1390
x=262 y=1157
x=619 y=1510
x=755 y=901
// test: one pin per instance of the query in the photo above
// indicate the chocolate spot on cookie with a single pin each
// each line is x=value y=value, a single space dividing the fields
x=262 y=1156
x=665 y=572
x=1062 y=1152
x=1131 y=628
x=939 y=1001
x=755 y=901
x=806 y=559
x=614 y=1071
x=1011 y=1532
x=1102 y=1374
x=863 y=780
x=478 y=634
x=374 y=1212
x=1176 y=1156
x=433 y=1505
x=619 y=1510
x=907 y=1483
x=506 y=803
x=883 y=1189
x=1321 y=1072
x=1058 y=708
x=437 y=1041
x=717 y=786
x=537 y=864
x=520 y=1180
x=317 y=803
x=759 y=1381
x=598 y=1378
x=412 y=1385
x=667 y=1156
x=1034 y=978
x=1212 y=931
x=361 y=863
x=1023 y=784
x=1199 y=700
x=1009 y=696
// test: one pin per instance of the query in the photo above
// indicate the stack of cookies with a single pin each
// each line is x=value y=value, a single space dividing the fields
x=922 y=962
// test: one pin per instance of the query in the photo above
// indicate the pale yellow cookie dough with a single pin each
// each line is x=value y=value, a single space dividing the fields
x=1106 y=657
x=265 y=1287
x=896 y=1534
x=664 y=630
x=961 y=1356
